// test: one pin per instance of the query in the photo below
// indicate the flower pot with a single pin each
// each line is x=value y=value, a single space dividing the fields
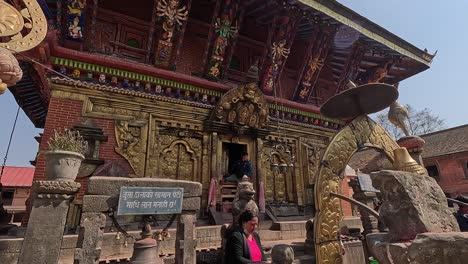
x=62 y=165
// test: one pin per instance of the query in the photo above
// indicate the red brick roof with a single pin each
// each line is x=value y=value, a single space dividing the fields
x=17 y=176
x=445 y=142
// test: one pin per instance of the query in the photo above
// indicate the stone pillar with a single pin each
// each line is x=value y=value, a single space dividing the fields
x=186 y=242
x=414 y=145
x=43 y=239
x=369 y=222
x=88 y=248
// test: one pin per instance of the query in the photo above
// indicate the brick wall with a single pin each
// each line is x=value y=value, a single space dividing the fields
x=347 y=191
x=65 y=113
x=452 y=176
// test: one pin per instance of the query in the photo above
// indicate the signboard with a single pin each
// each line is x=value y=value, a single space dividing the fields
x=150 y=200
x=366 y=183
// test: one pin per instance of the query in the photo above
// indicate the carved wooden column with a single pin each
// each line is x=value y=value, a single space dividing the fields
x=173 y=16
x=92 y=27
x=317 y=52
x=154 y=16
x=222 y=38
x=281 y=36
x=351 y=69
x=59 y=19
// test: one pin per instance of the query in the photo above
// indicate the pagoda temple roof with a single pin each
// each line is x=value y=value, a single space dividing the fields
x=32 y=93
x=387 y=40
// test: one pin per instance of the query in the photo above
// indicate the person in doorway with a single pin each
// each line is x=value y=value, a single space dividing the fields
x=243 y=244
x=240 y=168
x=462 y=214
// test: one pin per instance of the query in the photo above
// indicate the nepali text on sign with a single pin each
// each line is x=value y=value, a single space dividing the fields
x=150 y=200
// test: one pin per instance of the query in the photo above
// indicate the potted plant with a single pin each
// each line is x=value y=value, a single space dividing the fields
x=66 y=152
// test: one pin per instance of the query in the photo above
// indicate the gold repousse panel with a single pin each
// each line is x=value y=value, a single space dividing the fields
x=361 y=132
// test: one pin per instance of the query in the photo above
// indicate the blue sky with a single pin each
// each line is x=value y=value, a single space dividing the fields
x=432 y=24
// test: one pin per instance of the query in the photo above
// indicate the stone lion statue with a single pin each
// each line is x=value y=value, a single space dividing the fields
x=244 y=199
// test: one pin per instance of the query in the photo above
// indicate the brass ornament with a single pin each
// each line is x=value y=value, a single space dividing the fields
x=11 y=20
x=12 y=23
x=360 y=133
x=131 y=144
x=404 y=162
x=243 y=106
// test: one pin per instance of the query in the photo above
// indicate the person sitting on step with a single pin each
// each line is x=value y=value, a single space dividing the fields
x=239 y=169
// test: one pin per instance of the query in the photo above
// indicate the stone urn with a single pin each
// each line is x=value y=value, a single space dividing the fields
x=62 y=165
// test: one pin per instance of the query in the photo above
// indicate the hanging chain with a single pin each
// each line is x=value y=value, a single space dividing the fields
x=9 y=141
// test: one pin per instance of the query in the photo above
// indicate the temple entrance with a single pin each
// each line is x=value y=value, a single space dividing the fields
x=361 y=133
x=232 y=152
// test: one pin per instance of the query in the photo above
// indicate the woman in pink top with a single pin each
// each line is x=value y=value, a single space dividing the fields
x=243 y=245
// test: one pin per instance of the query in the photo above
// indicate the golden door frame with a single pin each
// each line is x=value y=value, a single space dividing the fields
x=360 y=133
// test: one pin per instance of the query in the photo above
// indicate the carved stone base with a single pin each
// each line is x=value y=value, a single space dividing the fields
x=55 y=187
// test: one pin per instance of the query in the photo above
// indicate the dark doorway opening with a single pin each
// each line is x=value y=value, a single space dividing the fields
x=233 y=153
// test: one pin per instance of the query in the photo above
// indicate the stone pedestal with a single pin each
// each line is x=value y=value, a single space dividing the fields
x=414 y=145
x=51 y=200
x=186 y=242
x=88 y=248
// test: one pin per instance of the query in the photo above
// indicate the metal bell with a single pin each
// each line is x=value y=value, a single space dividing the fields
x=160 y=237
x=145 y=250
x=404 y=162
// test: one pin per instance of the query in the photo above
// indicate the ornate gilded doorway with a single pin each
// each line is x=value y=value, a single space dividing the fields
x=360 y=133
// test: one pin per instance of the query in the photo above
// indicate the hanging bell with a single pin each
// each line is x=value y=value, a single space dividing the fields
x=160 y=237
x=145 y=250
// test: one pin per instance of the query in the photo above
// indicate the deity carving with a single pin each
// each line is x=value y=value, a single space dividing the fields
x=279 y=53
x=224 y=31
x=172 y=15
x=173 y=18
x=375 y=74
x=243 y=106
x=314 y=65
x=129 y=141
x=75 y=19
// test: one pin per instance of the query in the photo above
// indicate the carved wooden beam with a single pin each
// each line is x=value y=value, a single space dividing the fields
x=351 y=68
x=314 y=61
x=172 y=16
x=280 y=38
x=222 y=37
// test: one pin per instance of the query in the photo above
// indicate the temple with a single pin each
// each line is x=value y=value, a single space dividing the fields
x=179 y=89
